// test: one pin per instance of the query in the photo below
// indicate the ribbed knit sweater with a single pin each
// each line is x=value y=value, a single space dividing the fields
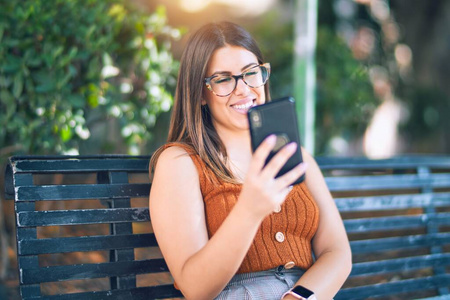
x=284 y=237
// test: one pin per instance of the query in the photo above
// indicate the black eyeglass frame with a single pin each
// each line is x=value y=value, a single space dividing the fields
x=237 y=77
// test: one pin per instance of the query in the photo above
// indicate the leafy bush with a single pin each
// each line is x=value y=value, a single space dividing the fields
x=66 y=65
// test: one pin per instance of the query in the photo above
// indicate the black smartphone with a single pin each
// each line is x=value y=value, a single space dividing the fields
x=276 y=117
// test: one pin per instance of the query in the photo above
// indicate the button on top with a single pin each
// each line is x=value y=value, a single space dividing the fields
x=289 y=265
x=279 y=236
x=278 y=209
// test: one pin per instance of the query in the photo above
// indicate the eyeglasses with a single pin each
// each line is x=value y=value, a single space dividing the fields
x=223 y=85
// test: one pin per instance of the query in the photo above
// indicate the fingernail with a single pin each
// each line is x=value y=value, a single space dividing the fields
x=271 y=138
x=292 y=146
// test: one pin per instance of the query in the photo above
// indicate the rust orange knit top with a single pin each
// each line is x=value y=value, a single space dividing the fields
x=284 y=237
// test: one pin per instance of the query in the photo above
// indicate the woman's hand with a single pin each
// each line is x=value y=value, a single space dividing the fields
x=262 y=193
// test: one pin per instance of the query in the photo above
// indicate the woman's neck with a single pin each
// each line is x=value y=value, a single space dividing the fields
x=239 y=151
x=236 y=142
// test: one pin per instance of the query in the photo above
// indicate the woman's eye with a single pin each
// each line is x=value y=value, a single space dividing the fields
x=251 y=73
x=222 y=80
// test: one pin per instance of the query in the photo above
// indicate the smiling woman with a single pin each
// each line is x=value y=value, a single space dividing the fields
x=241 y=232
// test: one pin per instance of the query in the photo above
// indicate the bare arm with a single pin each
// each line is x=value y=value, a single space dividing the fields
x=330 y=244
x=203 y=267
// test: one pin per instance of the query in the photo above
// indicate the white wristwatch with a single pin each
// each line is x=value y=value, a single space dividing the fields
x=300 y=292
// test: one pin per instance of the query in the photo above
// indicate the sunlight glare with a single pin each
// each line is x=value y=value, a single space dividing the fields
x=194 y=5
x=242 y=8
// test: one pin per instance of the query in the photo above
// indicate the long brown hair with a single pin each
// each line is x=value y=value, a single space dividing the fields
x=191 y=122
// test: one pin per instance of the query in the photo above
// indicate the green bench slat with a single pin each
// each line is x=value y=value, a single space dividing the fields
x=383 y=289
x=103 y=162
x=81 y=165
x=396 y=222
x=82 y=216
x=108 y=191
x=387 y=182
x=445 y=297
x=396 y=243
x=86 y=271
x=140 y=293
x=85 y=243
x=392 y=202
x=400 y=264
x=404 y=162
x=82 y=191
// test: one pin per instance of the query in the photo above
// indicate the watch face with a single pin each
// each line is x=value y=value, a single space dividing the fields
x=301 y=291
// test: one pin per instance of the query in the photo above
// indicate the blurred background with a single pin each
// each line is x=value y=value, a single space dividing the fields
x=98 y=76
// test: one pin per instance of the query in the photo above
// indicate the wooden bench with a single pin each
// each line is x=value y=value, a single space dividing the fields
x=83 y=228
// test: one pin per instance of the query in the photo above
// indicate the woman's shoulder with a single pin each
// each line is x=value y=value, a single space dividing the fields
x=175 y=155
x=181 y=159
x=173 y=167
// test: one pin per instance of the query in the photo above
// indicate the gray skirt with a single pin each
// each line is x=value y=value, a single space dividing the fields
x=264 y=285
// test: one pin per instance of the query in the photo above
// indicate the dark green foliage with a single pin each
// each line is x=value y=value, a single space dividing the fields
x=277 y=44
x=68 y=64
x=345 y=97
x=345 y=100
x=429 y=118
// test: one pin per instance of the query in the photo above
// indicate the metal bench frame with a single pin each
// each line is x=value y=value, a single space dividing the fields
x=388 y=189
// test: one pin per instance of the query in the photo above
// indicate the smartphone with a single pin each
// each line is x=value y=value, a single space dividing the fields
x=277 y=117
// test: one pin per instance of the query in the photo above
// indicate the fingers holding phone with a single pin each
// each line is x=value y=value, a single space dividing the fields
x=273 y=167
x=262 y=190
x=261 y=153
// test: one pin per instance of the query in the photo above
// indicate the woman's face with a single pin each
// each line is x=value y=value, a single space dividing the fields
x=230 y=112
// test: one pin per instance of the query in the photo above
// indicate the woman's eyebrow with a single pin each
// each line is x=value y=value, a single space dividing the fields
x=221 y=73
x=248 y=66
x=229 y=73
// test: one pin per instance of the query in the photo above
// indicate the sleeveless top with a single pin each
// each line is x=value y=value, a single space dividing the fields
x=284 y=237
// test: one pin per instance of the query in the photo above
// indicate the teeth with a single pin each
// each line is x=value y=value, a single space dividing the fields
x=244 y=106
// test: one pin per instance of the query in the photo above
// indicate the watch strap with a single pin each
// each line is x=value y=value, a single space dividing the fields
x=300 y=297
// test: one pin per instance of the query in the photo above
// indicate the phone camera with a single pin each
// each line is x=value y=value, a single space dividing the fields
x=256 y=118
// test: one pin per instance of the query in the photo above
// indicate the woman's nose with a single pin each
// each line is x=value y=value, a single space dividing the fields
x=241 y=87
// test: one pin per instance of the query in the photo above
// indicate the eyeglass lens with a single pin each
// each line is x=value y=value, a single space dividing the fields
x=223 y=85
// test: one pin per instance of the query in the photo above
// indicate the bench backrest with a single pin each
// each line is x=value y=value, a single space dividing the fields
x=397 y=215
x=101 y=232
x=83 y=228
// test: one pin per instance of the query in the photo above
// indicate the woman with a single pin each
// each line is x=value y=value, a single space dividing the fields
x=226 y=227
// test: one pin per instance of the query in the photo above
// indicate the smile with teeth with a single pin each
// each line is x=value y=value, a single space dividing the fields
x=244 y=106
